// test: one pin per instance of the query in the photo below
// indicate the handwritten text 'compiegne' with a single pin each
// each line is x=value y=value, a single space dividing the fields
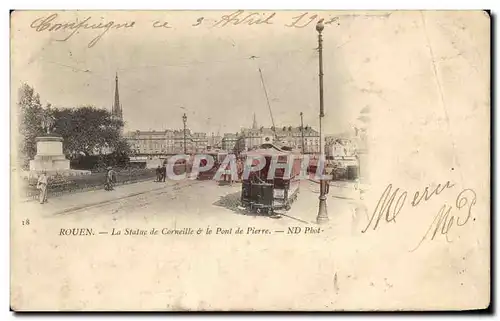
x=70 y=27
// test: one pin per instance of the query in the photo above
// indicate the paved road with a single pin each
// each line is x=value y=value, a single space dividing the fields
x=176 y=271
x=251 y=270
x=186 y=202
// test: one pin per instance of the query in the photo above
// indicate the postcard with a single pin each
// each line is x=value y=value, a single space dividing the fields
x=250 y=160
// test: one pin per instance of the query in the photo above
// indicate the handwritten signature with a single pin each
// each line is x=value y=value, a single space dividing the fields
x=444 y=221
x=390 y=204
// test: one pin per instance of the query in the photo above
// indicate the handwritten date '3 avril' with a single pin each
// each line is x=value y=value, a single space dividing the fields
x=392 y=202
x=54 y=23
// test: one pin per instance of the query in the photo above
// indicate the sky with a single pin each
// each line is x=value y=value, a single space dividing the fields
x=205 y=71
x=424 y=76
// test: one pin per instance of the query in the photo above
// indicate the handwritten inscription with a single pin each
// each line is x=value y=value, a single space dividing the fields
x=161 y=24
x=48 y=24
x=305 y=19
x=427 y=195
x=392 y=202
x=444 y=221
x=198 y=22
x=54 y=23
x=248 y=18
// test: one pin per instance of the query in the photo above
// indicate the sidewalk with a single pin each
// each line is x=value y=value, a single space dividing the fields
x=82 y=189
x=76 y=201
x=341 y=189
x=345 y=210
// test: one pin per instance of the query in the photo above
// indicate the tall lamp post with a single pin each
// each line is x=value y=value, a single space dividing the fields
x=184 y=120
x=322 y=212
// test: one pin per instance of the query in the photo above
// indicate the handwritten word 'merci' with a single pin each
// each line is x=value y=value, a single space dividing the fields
x=444 y=221
x=391 y=203
x=50 y=24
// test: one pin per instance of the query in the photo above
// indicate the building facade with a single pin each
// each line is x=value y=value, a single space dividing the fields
x=199 y=142
x=229 y=141
x=167 y=142
x=307 y=138
x=148 y=142
x=215 y=141
x=251 y=138
x=180 y=139
x=340 y=146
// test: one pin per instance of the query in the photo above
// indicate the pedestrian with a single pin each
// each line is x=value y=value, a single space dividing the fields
x=163 y=172
x=158 y=173
x=239 y=166
x=110 y=179
x=229 y=176
x=42 y=184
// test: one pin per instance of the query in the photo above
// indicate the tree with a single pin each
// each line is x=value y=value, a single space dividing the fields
x=30 y=114
x=88 y=131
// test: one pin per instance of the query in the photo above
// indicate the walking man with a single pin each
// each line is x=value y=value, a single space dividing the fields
x=158 y=174
x=42 y=186
x=239 y=167
x=163 y=172
x=110 y=179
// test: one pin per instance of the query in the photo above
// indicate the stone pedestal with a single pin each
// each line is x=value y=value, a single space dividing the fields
x=49 y=155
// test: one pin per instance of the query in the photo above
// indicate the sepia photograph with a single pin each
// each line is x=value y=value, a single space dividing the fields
x=250 y=160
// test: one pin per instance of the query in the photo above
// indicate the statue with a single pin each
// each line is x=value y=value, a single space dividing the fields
x=48 y=122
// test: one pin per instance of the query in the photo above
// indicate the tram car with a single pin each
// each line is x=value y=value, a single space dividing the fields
x=262 y=195
x=218 y=158
x=209 y=174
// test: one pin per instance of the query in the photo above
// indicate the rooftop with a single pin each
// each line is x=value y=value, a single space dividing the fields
x=279 y=130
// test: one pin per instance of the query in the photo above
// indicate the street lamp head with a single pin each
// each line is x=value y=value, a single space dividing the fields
x=320 y=26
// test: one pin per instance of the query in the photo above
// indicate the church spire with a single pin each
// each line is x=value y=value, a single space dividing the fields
x=117 y=107
x=254 y=125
